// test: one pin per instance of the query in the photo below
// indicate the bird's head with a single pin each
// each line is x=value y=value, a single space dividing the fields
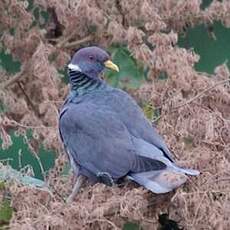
x=91 y=61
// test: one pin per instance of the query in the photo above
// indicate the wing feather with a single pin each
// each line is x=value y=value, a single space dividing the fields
x=98 y=141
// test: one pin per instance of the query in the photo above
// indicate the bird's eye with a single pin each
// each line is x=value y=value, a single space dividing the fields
x=91 y=57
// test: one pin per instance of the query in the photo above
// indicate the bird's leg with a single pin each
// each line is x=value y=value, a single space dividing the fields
x=75 y=179
x=76 y=188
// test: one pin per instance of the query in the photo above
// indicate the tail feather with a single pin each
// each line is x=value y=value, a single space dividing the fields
x=191 y=172
x=161 y=181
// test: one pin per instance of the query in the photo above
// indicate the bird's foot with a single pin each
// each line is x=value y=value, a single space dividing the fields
x=105 y=178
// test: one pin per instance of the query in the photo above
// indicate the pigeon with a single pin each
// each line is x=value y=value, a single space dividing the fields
x=106 y=134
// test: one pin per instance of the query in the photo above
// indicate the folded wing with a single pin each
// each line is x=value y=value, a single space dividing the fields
x=99 y=142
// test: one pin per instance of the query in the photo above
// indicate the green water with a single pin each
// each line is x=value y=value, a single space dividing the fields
x=19 y=156
x=213 y=52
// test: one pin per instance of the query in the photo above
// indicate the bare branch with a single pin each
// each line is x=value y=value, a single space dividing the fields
x=201 y=93
x=78 y=42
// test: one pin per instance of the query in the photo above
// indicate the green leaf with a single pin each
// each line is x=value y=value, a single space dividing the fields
x=12 y=31
x=131 y=73
x=151 y=112
x=66 y=169
x=36 y=13
x=6 y=212
x=148 y=111
x=45 y=15
x=64 y=75
x=3 y=108
x=30 y=5
x=41 y=16
x=2 y=185
x=205 y=4
x=131 y=226
x=8 y=63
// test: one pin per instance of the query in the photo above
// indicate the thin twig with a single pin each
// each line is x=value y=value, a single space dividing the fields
x=65 y=40
x=27 y=97
x=78 y=42
x=57 y=193
x=194 y=98
x=198 y=209
x=205 y=192
x=156 y=119
x=36 y=156
x=201 y=94
x=14 y=79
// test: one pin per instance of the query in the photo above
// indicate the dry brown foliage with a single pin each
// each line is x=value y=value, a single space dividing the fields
x=194 y=118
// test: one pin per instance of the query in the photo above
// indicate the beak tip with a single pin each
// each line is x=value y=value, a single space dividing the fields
x=110 y=65
x=117 y=69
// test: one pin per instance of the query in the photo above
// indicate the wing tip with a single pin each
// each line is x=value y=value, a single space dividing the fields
x=192 y=172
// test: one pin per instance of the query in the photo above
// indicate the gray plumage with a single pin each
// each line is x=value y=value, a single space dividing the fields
x=105 y=132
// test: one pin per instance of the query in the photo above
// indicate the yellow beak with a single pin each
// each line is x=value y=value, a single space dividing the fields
x=110 y=65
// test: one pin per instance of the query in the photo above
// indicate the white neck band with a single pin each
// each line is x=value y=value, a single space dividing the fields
x=74 y=67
